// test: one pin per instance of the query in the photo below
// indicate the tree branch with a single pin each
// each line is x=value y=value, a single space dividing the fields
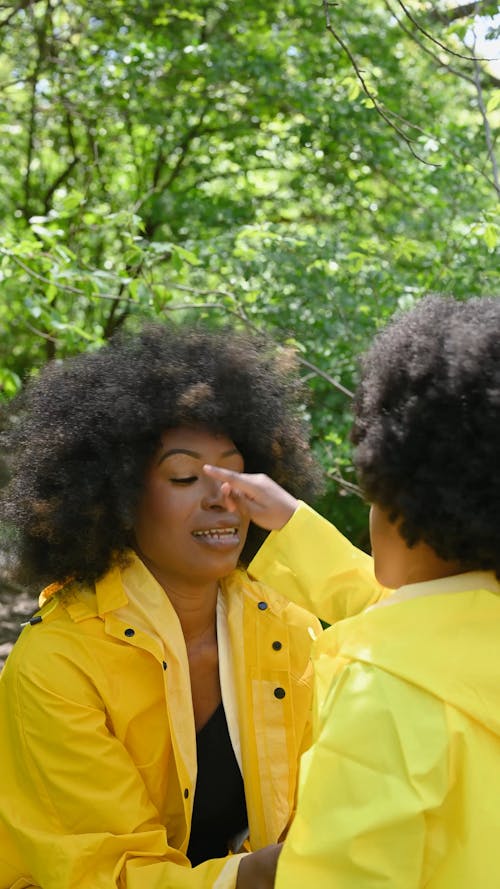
x=487 y=128
x=41 y=333
x=350 y=487
x=199 y=306
x=321 y=373
x=65 y=288
x=490 y=78
x=67 y=171
x=197 y=291
x=41 y=37
x=239 y=313
x=383 y=112
x=460 y=12
x=57 y=182
x=424 y=48
x=184 y=146
x=115 y=319
x=431 y=37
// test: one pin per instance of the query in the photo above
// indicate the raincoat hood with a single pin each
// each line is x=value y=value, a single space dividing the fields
x=456 y=658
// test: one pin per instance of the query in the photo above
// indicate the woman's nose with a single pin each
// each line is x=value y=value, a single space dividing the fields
x=213 y=497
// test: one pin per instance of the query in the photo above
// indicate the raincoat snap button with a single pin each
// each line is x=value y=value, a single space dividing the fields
x=277 y=645
x=262 y=606
x=129 y=632
x=279 y=692
x=186 y=793
x=164 y=665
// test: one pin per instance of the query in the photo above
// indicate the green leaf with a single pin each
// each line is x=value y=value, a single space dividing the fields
x=493 y=101
x=187 y=255
x=72 y=200
x=10 y=383
x=491 y=235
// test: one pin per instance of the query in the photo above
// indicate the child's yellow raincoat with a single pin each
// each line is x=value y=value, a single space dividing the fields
x=401 y=788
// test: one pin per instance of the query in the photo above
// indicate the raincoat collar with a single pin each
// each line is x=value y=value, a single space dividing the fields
x=81 y=601
x=456 y=583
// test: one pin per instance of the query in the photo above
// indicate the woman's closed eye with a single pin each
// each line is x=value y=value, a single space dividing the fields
x=184 y=480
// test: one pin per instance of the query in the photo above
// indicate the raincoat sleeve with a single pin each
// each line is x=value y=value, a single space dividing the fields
x=312 y=563
x=368 y=787
x=75 y=799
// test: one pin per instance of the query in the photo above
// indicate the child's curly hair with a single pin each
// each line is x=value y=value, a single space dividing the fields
x=89 y=425
x=427 y=427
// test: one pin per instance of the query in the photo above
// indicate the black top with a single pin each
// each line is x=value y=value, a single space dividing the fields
x=219 y=810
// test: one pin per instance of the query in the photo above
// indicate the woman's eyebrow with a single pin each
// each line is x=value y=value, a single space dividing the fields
x=172 y=451
x=195 y=454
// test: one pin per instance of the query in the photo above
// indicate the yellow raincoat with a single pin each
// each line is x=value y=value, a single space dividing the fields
x=97 y=735
x=401 y=788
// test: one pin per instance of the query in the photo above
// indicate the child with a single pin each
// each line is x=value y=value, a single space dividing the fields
x=401 y=786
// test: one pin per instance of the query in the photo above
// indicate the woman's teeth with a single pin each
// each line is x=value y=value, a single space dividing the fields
x=218 y=533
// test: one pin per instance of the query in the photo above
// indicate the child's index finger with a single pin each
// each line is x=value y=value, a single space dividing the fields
x=224 y=475
x=239 y=481
x=218 y=471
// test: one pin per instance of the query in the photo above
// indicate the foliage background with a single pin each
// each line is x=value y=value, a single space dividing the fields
x=303 y=167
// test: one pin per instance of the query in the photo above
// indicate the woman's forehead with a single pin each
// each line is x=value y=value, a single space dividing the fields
x=196 y=441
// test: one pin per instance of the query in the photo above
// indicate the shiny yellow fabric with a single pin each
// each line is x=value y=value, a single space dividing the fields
x=312 y=563
x=97 y=736
x=401 y=787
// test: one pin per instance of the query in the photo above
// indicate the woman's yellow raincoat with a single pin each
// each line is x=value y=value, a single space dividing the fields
x=401 y=788
x=97 y=735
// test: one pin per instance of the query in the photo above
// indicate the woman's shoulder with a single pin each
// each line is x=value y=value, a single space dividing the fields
x=56 y=639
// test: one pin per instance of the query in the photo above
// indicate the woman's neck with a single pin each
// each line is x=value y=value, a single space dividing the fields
x=194 y=602
x=196 y=612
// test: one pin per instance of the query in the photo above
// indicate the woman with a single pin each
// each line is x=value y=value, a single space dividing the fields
x=153 y=714
x=400 y=787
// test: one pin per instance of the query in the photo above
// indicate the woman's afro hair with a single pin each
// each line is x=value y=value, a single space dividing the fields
x=427 y=427
x=84 y=432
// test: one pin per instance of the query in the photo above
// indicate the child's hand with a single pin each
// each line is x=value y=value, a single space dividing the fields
x=258 y=869
x=256 y=496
